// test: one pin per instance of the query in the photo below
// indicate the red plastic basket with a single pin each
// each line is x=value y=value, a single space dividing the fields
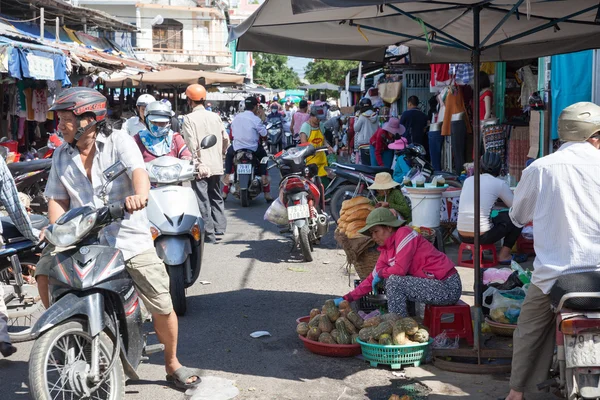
x=330 y=350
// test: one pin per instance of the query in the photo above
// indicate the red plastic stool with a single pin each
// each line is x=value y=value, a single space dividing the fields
x=482 y=262
x=461 y=327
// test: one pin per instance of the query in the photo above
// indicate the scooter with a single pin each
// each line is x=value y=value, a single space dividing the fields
x=301 y=191
x=274 y=136
x=247 y=184
x=91 y=336
x=17 y=265
x=414 y=156
x=576 y=368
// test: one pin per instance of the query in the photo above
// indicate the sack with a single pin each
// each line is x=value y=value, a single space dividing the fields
x=505 y=305
x=277 y=213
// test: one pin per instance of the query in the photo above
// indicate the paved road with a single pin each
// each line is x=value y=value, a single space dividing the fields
x=258 y=284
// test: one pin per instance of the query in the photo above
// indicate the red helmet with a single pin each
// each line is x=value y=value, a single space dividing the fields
x=81 y=100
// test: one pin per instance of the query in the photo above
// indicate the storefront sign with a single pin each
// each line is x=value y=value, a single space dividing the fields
x=40 y=68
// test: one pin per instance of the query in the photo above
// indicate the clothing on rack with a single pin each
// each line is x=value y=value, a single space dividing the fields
x=488 y=67
x=528 y=85
x=494 y=140
x=40 y=105
x=440 y=73
x=454 y=104
x=518 y=147
x=463 y=73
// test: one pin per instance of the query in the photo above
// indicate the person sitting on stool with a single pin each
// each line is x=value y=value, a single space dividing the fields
x=492 y=229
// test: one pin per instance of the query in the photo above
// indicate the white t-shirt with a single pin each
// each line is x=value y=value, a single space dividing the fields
x=133 y=126
x=491 y=189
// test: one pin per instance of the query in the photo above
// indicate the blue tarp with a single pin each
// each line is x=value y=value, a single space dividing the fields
x=30 y=29
x=571 y=82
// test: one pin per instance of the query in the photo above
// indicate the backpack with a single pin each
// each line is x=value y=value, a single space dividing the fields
x=320 y=110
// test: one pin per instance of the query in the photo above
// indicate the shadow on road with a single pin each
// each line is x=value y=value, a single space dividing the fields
x=400 y=387
x=17 y=387
x=216 y=336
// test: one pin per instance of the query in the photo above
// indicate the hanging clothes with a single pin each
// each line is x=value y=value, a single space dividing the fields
x=29 y=104
x=488 y=67
x=40 y=105
x=529 y=84
x=455 y=104
x=440 y=73
x=463 y=73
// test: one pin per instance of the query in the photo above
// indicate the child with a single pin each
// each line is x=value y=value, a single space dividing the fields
x=390 y=196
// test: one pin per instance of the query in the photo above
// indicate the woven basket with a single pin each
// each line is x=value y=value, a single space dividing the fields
x=361 y=252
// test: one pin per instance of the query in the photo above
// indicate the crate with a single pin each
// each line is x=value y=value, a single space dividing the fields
x=364 y=304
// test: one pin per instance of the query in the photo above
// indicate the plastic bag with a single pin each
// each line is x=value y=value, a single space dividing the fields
x=527 y=232
x=442 y=341
x=277 y=213
x=512 y=282
x=505 y=305
x=496 y=275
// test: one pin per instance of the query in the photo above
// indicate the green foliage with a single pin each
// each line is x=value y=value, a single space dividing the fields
x=271 y=70
x=332 y=71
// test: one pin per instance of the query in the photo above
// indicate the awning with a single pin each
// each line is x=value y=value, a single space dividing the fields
x=437 y=31
x=321 y=86
x=176 y=77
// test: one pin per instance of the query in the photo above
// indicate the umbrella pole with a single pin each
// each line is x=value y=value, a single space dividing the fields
x=476 y=143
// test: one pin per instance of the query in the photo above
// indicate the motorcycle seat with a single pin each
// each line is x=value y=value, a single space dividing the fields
x=366 y=169
x=23 y=167
x=9 y=229
x=586 y=282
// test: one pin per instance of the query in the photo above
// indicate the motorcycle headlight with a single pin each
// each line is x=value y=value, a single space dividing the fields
x=273 y=131
x=166 y=174
x=71 y=231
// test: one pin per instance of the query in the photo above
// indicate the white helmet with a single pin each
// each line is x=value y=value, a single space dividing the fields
x=144 y=100
x=579 y=122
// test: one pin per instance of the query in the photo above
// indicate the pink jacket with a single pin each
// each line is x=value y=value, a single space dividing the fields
x=407 y=253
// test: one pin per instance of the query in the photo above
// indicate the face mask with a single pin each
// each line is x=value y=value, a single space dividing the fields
x=273 y=110
x=159 y=131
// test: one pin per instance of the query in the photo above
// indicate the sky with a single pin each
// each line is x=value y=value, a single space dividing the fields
x=298 y=64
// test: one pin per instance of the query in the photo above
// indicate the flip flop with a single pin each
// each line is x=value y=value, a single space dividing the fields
x=520 y=258
x=182 y=375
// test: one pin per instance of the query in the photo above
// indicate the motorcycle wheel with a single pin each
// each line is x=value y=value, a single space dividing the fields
x=305 y=244
x=177 y=287
x=338 y=197
x=245 y=198
x=59 y=355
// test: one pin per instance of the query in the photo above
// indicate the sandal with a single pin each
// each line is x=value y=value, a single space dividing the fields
x=520 y=258
x=180 y=377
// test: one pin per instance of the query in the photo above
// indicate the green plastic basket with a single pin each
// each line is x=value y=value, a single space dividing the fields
x=395 y=355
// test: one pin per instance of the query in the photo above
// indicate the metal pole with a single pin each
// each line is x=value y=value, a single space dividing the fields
x=42 y=23
x=57 y=29
x=476 y=140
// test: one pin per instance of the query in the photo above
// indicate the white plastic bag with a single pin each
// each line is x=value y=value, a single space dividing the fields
x=277 y=213
x=505 y=306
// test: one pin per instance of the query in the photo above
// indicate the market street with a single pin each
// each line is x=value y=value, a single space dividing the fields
x=256 y=285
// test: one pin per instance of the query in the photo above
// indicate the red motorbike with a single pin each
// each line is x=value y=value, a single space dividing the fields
x=302 y=193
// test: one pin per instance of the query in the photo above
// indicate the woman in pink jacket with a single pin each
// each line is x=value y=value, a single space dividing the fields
x=413 y=269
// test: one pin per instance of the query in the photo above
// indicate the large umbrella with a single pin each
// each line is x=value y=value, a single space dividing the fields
x=435 y=32
x=174 y=77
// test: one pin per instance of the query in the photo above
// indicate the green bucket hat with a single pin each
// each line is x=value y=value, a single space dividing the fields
x=381 y=216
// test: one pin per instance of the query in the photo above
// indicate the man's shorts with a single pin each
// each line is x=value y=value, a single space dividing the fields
x=147 y=271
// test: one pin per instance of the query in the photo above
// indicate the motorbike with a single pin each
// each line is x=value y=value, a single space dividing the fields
x=91 y=336
x=274 y=136
x=414 y=156
x=575 y=371
x=18 y=258
x=301 y=192
x=247 y=184
x=177 y=226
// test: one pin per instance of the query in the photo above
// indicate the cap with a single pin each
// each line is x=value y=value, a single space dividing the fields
x=250 y=102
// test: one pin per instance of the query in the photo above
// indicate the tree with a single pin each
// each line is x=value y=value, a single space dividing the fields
x=332 y=71
x=271 y=70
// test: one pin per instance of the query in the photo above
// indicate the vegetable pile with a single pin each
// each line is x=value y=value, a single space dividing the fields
x=333 y=325
x=353 y=216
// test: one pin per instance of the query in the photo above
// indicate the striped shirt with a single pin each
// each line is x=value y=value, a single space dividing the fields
x=9 y=198
x=68 y=181
x=560 y=194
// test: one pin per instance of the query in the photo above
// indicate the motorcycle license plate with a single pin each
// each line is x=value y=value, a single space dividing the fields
x=298 y=212
x=582 y=350
x=244 y=169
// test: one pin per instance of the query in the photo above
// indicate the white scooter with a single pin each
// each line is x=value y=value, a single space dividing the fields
x=177 y=226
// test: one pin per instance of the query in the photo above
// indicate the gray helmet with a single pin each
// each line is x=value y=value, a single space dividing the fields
x=158 y=111
x=491 y=163
x=579 y=122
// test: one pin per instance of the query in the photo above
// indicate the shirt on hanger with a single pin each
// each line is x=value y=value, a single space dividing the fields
x=40 y=105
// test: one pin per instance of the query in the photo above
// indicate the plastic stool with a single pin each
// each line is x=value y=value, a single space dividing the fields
x=461 y=327
x=482 y=263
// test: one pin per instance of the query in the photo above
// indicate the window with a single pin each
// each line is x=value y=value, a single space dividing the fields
x=168 y=36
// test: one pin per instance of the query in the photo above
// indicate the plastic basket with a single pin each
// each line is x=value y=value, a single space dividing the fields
x=329 y=350
x=395 y=355
x=364 y=304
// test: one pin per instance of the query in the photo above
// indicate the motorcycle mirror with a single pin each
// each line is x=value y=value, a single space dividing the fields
x=264 y=160
x=208 y=142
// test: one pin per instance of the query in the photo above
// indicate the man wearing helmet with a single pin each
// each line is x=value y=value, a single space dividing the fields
x=76 y=179
x=136 y=123
x=196 y=126
x=158 y=139
x=559 y=193
x=495 y=228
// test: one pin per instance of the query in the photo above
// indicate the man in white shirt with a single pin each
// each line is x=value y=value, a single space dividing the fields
x=247 y=128
x=136 y=123
x=559 y=193
x=492 y=229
